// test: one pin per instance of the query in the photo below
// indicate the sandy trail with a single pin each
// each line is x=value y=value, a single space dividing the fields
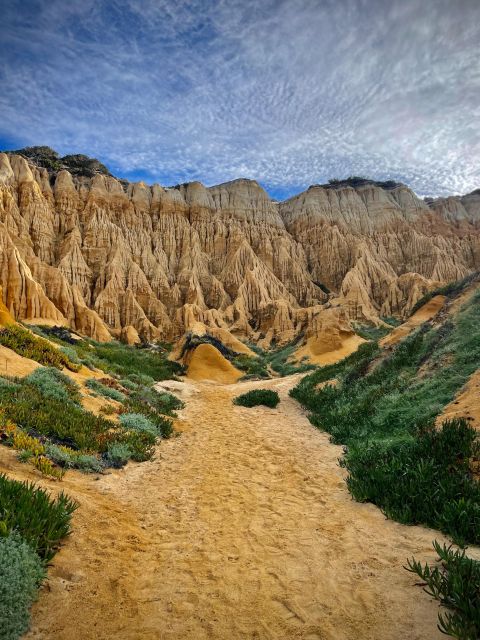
x=242 y=527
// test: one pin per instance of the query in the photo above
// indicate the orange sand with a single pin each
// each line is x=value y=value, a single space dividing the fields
x=242 y=527
x=467 y=402
x=207 y=363
x=325 y=350
x=11 y=364
x=427 y=312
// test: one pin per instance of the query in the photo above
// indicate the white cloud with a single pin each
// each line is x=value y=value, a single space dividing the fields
x=290 y=92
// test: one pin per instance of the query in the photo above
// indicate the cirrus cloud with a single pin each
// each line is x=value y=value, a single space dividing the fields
x=288 y=92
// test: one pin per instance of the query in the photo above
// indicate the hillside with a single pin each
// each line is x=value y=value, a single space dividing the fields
x=107 y=257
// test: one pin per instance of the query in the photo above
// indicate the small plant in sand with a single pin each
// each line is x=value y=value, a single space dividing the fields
x=256 y=397
x=455 y=582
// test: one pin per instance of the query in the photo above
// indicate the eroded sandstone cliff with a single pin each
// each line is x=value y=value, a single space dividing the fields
x=129 y=260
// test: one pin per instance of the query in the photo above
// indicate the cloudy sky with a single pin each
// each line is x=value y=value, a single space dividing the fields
x=288 y=92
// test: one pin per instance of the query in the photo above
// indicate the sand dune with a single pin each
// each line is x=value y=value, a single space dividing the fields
x=242 y=527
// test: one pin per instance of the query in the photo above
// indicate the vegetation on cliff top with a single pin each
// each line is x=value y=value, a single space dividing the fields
x=76 y=164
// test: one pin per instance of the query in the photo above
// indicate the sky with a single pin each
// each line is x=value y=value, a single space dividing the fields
x=287 y=92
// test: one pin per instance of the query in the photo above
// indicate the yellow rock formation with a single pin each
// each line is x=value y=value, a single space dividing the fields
x=108 y=260
x=426 y=312
x=207 y=363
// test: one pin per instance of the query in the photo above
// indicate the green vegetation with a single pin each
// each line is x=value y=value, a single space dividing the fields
x=423 y=480
x=32 y=525
x=254 y=368
x=22 y=572
x=383 y=409
x=276 y=360
x=34 y=515
x=52 y=383
x=42 y=417
x=50 y=428
x=77 y=164
x=118 y=455
x=137 y=422
x=27 y=345
x=372 y=333
x=115 y=358
x=456 y=584
x=104 y=390
x=258 y=397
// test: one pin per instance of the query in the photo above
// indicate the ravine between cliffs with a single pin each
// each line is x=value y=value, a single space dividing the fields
x=241 y=527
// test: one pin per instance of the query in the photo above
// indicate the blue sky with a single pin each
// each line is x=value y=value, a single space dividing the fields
x=287 y=92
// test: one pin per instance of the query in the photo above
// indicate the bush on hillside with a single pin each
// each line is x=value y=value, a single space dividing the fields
x=257 y=397
x=425 y=480
x=106 y=391
x=118 y=455
x=52 y=383
x=137 y=422
x=64 y=423
x=27 y=345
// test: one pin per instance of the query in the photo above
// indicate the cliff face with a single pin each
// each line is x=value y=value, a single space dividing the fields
x=110 y=259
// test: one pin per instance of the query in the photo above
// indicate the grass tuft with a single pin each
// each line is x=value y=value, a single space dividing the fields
x=257 y=397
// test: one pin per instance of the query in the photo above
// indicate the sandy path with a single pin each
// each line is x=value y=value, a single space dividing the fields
x=241 y=528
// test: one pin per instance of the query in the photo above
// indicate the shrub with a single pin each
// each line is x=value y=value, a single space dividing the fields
x=163 y=425
x=24 y=442
x=7 y=385
x=139 y=379
x=47 y=468
x=257 y=397
x=137 y=422
x=62 y=456
x=456 y=584
x=65 y=423
x=124 y=360
x=167 y=403
x=118 y=454
x=104 y=390
x=41 y=520
x=24 y=456
x=88 y=463
x=21 y=572
x=141 y=444
x=107 y=409
x=71 y=354
x=52 y=383
x=69 y=459
x=130 y=385
x=27 y=345
x=382 y=408
x=253 y=367
x=424 y=480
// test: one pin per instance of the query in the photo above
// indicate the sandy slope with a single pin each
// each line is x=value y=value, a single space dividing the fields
x=241 y=528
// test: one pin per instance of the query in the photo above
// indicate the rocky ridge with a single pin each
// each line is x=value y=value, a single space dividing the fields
x=144 y=262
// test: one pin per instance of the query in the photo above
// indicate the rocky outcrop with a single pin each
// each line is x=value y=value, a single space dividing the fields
x=125 y=259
